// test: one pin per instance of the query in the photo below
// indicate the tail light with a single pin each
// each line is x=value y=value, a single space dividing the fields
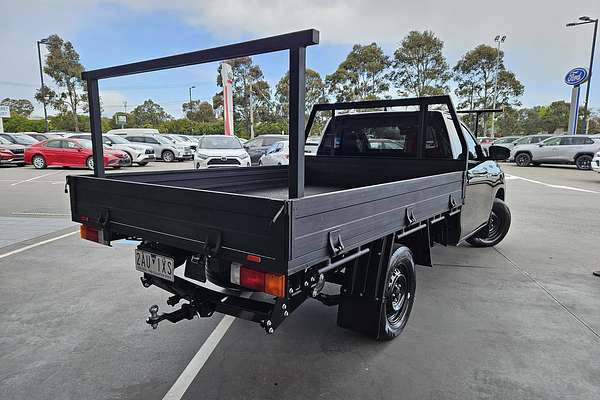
x=93 y=234
x=261 y=281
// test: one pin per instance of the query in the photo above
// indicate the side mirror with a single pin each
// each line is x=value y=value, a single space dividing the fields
x=80 y=149
x=498 y=153
x=541 y=145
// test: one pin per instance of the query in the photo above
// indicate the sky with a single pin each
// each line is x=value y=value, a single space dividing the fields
x=539 y=49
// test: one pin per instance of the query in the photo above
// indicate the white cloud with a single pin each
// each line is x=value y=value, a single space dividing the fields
x=539 y=48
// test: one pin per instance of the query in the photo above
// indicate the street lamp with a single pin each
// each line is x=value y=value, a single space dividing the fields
x=192 y=87
x=498 y=39
x=42 y=41
x=587 y=20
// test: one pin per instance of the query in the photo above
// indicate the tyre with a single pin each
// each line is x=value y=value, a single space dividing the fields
x=130 y=163
x=90 y=162
x=584 y=162
x=168 y=156
x=143 y=164
x=497 y=228
x=399 y=294
x=523 y=159
x=39 y=162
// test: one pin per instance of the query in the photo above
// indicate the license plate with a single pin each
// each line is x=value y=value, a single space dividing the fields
x=155 y=264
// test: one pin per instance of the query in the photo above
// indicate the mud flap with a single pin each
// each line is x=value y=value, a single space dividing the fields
x=361 y=302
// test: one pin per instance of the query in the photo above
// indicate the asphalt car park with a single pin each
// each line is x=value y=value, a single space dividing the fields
x=518 y=321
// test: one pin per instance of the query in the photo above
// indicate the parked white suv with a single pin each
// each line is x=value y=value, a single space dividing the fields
x=220 y=151
x=564 y=149
x=138 y=153
x=164 y=148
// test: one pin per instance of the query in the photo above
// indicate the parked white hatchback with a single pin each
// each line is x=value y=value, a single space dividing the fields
x=277 y=154
x=220 y=151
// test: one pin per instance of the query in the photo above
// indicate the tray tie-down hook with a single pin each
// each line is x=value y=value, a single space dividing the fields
x=336 y=246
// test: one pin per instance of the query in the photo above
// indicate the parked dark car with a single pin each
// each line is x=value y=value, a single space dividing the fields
x=42 y=136
x=258 y=146
x=19 y=138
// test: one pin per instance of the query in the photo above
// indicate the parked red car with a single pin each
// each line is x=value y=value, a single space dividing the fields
x=70 y=153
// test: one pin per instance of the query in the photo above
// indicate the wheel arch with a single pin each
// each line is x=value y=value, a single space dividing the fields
x=500 y=193
x=583 y=153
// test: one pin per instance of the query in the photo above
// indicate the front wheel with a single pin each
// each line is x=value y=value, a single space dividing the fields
x=399 y=294
x=90 y=162
x=497 y=227
x=584 y=162
x=523 y=159
x=39 y=162
x=168 y=156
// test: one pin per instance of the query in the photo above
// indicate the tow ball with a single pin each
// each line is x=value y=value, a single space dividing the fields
x=187 y=311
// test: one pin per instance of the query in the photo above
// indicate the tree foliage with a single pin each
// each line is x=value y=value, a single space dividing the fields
x=21 y=107
x=315 y=92
x=361 y=76
x=419 y=66
x=149 y=114
x=474 y=74
x=200 y=111
x=63 y=66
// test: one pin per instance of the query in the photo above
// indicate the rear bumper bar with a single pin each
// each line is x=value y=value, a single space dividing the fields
x=205 y=301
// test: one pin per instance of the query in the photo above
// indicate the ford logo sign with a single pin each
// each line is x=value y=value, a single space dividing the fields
x=576 y=76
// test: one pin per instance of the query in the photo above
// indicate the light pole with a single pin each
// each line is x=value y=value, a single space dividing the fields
x=42 y=41
x=191 y=87
x=498 y=39
x=587 y=20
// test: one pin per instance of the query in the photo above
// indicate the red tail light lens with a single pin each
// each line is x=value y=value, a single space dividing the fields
x=90 y=233
x=260 y=281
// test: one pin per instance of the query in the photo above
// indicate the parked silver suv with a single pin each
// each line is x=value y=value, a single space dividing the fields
x=163 y=148
x=564 y=149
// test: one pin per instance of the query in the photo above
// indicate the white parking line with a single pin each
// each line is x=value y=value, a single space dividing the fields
x=42 y=214
x=576 y=189
x=31 y=246
x=193 y=368
x=34 y=178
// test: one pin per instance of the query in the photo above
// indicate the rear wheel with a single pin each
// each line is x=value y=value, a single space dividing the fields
x=523 y=159
x=584 y=162
x=497 y=228
x=39 y=161
x=168 y=156
x=90 y=162
x=399 y=294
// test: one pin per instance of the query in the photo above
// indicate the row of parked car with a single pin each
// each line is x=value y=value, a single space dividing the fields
x=583 y=151
x=127 y=147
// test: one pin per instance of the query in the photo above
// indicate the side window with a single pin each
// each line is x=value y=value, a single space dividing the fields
x=69 y=145
x=135 y=139
x=54 y=144
x=10 y=139
x=270 y=141
x=589 y=141
x=565 y=141
x=552 y=142
x=150 y=140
